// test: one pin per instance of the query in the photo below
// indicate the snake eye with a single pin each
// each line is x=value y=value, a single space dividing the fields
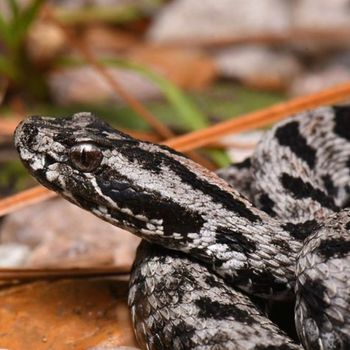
x=85 y=157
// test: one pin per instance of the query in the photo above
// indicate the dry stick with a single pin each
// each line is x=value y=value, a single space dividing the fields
x=204 y=137
x=22 y=199
x=58 y=273
x=8 y=126
x=303 y=35
x=259 y=118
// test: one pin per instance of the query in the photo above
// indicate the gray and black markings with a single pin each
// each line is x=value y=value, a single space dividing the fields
x=301 y=230
x=200 y=312
x=296 y=179
x=290 y=136
x=155 y=161
x=301 y=189
x=342 y=125
x=335 y=247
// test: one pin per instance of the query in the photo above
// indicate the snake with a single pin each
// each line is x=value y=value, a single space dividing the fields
x=216 y=246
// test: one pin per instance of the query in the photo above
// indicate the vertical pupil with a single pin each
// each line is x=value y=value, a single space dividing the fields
x=84 y=157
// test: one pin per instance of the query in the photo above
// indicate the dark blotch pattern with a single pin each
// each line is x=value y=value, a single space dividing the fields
x=153 y=161
x=338 y=247
x=246 y=164
x=275 y=347
x=183 y=331
x=263 y=281
x=175 y=217
x=329 y=185
x=266 y=204
x=303 y=190
x=312 y=293
x=235 y=240
x=301 y=230
x=280 y=243
x=289 y=135
x=213 y=309
x=342 y=121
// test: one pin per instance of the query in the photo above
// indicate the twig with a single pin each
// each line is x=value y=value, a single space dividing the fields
x=7 y=126
x=221 y=144
x=22 y=199
x=7 y=274
x=260 y=118
x=337 y=35
x=3 y=88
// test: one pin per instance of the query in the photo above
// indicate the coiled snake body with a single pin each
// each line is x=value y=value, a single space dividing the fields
x=206 y=247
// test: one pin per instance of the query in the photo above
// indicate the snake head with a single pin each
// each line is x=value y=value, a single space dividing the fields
x=120 y=179
x=77 y=157
x=55 y=150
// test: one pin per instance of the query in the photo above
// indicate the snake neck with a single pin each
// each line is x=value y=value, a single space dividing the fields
x=160 y=195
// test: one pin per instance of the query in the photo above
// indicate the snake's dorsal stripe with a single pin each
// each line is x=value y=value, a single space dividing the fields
x=301 y=230
x=342 y=121
x=301 y=189
x=339 y=247
x=266 y=204
x=290 y=136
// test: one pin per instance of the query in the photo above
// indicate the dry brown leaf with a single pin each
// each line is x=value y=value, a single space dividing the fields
x=69 y=314
x=329 y=38
x=186 y=68
x=104 y=38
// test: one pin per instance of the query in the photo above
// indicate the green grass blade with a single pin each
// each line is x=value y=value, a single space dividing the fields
x=6 y=68
x=191 y=116
x=25 y=19
x=13 y=4
x=5 y=34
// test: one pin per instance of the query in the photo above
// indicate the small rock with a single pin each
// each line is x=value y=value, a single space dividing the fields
x=12 y=254
x=208 y=19
x=242 y=146
x=85 y=85
x=60 y=234
x=252 y=65
x=322 y=14
x=318 y=80
x=77 y=4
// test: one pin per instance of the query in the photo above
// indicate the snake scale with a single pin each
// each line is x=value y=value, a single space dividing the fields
x=274 y=225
